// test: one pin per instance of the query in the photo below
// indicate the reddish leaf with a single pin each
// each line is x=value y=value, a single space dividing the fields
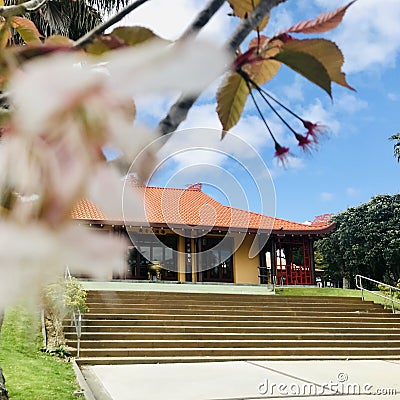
x=231 y=99
x=27 y=30
x=104 y=43
x=308 y=66
x=322 y=23
x=263 y=67
x=326 y=52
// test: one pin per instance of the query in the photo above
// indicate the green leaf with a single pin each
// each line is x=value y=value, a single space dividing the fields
x=308 y=66
x=327 y=53
x=133 y=35
x=242 y=8
x=26 y=29
x=59 y=40
x=231 y=99
x=5 y=34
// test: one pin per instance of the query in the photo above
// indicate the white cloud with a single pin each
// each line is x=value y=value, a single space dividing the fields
x=349 y=103
x=170 y=20
x=294 y=91
x=244 y=141
x=292 y=163
x=317 y=113
x=326 y=196
x=369 y=34
x=281 y=19
x=352 y=192
x=393 y=96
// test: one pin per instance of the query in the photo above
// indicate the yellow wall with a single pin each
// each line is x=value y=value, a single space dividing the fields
x=245 y=269
x=181 y=259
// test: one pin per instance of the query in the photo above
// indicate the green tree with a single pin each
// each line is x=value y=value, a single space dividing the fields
x=396 y=146
x=366 y=241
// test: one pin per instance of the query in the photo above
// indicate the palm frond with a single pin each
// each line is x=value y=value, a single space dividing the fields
x=396 y=146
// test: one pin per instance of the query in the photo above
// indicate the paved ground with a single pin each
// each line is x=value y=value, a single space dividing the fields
x=247 y=380
x=185 y=287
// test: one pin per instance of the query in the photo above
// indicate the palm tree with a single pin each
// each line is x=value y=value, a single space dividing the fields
x=72 y=18
x=396 y=146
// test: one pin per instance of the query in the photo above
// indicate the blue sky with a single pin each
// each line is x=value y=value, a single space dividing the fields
x=353 y=161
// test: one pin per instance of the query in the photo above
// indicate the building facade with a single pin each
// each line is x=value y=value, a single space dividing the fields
x=185 y=235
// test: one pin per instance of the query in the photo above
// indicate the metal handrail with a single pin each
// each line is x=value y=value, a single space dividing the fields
x=76 y=317
x=392 y=290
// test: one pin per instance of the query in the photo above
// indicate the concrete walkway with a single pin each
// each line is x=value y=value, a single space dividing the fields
x=356 y=379
x=182 y=287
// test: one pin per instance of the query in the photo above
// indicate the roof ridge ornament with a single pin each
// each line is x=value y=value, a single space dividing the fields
x=195 y=186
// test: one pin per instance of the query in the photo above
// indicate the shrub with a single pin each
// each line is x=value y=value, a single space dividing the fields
x=59 y=300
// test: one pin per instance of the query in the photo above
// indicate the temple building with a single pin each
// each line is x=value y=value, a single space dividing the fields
x=186 y=235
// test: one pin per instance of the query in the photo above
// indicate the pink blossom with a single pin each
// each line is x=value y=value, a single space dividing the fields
x=68 y=107
x=281 y=153
x=303 y=141
x=314 y=130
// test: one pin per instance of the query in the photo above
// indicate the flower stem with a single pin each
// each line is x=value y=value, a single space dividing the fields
x=262 y=94
x=259 y=111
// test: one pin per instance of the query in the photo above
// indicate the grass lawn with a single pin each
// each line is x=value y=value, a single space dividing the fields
x=315 y=291
x=29 y=373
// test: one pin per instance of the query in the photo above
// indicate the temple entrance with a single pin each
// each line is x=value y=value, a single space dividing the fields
x=214 y=259
x=293 y=261
x=150 y=251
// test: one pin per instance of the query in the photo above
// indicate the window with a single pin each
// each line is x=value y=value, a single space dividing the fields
x=149 y=249
x=214 y=259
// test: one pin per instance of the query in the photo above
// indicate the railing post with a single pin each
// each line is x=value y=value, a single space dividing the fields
x=78 y=335
x=391 y=299
x=392 y=291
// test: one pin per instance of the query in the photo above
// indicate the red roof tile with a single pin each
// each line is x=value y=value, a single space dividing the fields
x=194 y=208
x=87 y=210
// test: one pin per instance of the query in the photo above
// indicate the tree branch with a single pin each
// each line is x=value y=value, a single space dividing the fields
x=20 y=9
x=202 y=18
x=180 y=109
x=249 y=23
x=84 y=40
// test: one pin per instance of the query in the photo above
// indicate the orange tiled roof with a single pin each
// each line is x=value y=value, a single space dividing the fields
x=193 y=208
x=85 y=209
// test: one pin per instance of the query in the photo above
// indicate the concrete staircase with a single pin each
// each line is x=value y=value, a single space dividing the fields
x=150 y=327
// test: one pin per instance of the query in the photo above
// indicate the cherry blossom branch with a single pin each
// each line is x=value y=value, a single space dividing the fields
x=203 y=18
x=180 y=109
x=20 y=9
x=84 y=40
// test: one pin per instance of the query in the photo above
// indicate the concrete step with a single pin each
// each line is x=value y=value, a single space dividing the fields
x=232 y=324
x=168 y=314
x=92 y=337
x=225 y=320
x=167 y=308
x=192 y=359
x=212 y=330
x=110 y=296
x=243 y=352
x=122 y=345
x=309 y=316
x=267 y=301
x=158 y=326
